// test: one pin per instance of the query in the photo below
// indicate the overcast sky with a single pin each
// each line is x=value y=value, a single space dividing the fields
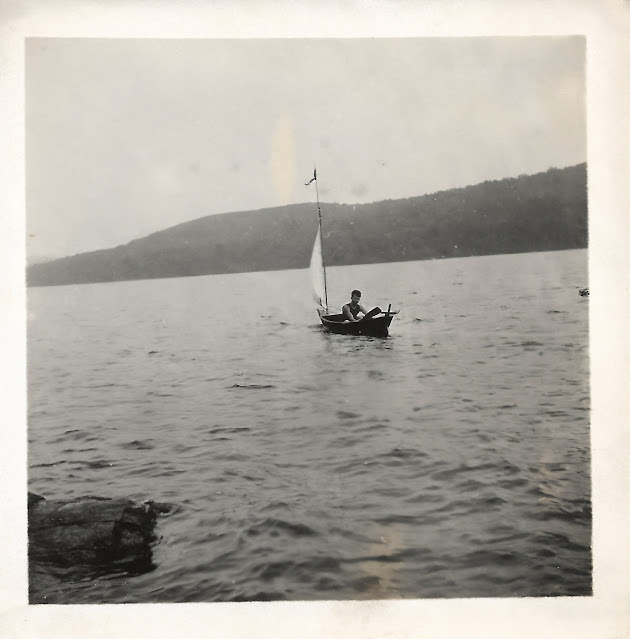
x=126 y=137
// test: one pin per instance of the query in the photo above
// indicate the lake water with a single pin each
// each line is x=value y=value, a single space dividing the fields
x=451 y=459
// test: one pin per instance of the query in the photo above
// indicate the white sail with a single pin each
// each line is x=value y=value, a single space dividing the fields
x=317 y=271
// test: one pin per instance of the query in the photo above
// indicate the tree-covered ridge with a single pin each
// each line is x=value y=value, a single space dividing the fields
x=546 y=211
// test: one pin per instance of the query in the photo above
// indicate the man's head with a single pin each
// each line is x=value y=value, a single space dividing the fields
x=355 y=296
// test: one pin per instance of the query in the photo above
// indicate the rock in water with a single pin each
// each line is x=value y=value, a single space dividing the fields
x=91 y=531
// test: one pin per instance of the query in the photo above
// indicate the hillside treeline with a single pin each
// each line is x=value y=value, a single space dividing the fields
x=542 y=212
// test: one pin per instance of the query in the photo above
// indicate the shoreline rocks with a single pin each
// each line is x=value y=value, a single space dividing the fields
x=91 y=531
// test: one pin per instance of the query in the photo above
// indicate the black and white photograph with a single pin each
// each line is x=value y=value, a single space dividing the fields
x=309 y=320
x=195 y=431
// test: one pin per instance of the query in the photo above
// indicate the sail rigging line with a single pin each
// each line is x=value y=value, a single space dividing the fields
x=321 y=236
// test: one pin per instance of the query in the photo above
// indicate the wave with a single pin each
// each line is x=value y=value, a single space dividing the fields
x=253 y=386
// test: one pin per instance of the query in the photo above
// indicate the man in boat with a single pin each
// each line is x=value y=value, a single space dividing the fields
x=352 y=310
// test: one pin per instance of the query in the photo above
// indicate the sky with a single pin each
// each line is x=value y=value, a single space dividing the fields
x=125 y=137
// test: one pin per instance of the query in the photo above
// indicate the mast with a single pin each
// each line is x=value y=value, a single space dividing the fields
x=321 y=235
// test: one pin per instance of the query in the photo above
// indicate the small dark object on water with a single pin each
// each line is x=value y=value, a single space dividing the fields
x=584 y=292
x=91 y=530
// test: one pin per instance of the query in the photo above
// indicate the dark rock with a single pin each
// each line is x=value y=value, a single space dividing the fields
x=91 y=530
x=33 y=499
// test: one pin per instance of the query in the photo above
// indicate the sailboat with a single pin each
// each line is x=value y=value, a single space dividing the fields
x=375 y=323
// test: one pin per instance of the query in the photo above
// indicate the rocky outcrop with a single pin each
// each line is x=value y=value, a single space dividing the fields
x=91 y=531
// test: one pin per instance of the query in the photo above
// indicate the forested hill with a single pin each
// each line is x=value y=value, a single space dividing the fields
x=542 y=212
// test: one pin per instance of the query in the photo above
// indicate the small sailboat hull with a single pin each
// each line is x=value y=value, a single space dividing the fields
x=377 y=326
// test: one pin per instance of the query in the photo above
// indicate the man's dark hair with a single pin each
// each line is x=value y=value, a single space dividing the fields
x=355 y=292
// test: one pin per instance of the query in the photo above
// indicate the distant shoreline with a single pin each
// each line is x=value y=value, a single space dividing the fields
x=542 y=212
x=303 y=268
